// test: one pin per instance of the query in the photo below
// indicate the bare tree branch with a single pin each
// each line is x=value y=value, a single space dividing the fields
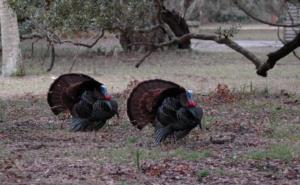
x=295 y=31
x=74 y=62
x=137 y=65
x=148 y=30
x=31 y=36
x=236 y=2
x=261 y=67
x=284 y=42
x=82 y=44
x=220 y=40
x=277 y=55
x=162 y=24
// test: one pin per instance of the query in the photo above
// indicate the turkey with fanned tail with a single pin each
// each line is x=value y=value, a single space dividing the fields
x=169 y=107
x=86 y=99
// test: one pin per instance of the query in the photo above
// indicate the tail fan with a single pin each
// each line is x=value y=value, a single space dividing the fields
x=66 y=90
x=145 y=99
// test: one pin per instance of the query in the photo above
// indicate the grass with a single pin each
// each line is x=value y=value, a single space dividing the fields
x=190 y=155
x=202 y=174
x=279 y=126
x=18 y=109
x=286 y=132
x=285 y=152
x=132 y=139
x=202 y=71
x=220 y=171
x=2 y=114
x=128 y=154
x=208 y=121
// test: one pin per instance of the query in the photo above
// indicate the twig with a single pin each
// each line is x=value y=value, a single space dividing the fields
x=32 y=46
x=148 y=29
x=31 y=36
x=82 y=44
x=137 y=65
x=73 y=63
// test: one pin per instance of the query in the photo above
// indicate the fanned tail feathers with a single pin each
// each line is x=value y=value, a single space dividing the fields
x=144 y=99
x=60 y=87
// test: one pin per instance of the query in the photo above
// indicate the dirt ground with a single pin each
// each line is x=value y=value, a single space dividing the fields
x=263 y=145
x=259 y=116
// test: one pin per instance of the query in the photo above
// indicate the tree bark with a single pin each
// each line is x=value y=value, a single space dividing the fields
x=12 y=64
x=177 y=24
x=157 y=33
x=277 y=55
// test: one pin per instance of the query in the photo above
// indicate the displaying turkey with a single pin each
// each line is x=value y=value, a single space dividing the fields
x=168 y=106
x=86 y=99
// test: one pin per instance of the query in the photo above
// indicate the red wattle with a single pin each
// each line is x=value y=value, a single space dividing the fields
x=107 y=97
x=192 y=104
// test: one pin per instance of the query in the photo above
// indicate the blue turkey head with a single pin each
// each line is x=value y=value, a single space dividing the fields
x=190 y=101
x=104 y=92
x=195 y=111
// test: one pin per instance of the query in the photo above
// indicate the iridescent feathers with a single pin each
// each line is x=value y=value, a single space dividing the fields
x=86 y=99
x=170 y=108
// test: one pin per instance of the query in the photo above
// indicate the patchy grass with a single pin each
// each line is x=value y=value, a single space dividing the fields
x=284 y=152
x=200 y=71
x=132 y=139
x=190 y=155
x=33 y=140
x=220 y=172
x=202 y=174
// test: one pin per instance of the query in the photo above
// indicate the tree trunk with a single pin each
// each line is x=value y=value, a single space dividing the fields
x=176 y=23
x=12 y=64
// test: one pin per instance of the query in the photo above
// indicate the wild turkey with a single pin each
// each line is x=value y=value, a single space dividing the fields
x=87 y=100
x=169 y=107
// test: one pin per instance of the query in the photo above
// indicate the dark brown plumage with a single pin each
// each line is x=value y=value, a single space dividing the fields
x=65 y=91
x=144 y=98
x=168 y=106
x=86 y=99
